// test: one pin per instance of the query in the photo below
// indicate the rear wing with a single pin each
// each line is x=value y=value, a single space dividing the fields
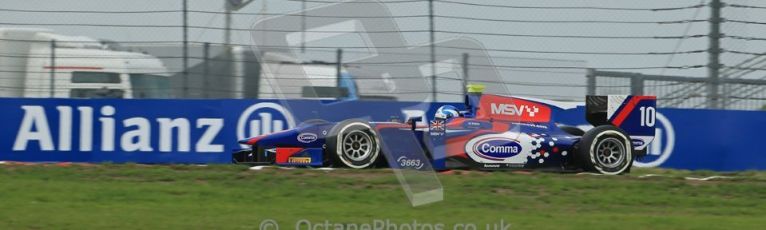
x=635 y=115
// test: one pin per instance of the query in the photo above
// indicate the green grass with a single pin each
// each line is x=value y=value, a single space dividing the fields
x=232 y=197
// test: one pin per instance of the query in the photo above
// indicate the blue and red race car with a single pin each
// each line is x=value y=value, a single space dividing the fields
x=491 y=132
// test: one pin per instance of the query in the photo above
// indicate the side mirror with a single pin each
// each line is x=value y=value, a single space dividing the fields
x=413 y=121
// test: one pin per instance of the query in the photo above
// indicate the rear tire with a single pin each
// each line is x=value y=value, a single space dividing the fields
x=605 y=149
x=354 y=144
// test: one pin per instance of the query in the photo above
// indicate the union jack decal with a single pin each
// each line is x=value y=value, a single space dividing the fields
x=437 y=126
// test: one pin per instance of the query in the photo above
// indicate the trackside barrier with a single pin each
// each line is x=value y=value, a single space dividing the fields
x=701 y=139
x=205 y=131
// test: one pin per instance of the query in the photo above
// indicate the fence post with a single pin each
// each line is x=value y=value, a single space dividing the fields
x=591 y=79
x=53 y=68
x=185 y=60
x=206 y=69
x=636 y=84
x=465 y=73
x=714 y=53
x=432 y=34
x=726 y=94
x=338 y=67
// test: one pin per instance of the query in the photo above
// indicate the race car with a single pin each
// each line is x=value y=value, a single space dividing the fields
x=489 y=132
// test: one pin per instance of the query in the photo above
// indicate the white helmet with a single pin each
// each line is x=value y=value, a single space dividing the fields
x=446 y=112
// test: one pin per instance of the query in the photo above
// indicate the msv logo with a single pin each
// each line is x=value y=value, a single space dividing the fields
x=263 y=118
x=514 y=110
x=496 y=148
x=662 y=146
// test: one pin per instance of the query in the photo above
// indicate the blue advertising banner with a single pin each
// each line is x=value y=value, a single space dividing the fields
x=205 y=131
x=697 y=139
x=163 y=131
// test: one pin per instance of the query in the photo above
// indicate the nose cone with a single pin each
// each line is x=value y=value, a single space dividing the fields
x=250 y=141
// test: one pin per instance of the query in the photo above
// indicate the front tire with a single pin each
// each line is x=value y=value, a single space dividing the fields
x=354 y=144
x=606 y=149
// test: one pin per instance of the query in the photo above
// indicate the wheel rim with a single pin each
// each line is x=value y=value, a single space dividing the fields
x=610 y=152
x=357 y=145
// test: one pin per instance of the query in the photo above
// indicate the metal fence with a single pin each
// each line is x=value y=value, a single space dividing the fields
x=422 y=43
x=681 y=91
x=52 y=68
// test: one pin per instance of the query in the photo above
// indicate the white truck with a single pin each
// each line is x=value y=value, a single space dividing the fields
x=83 y=68
x=286 y=77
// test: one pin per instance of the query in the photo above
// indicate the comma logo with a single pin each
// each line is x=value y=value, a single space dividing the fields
x=662 y=147
x=496 y=148
x=307 y=137
x=264 y=118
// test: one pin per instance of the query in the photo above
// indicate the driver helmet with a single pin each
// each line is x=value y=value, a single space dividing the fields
x=446 y=112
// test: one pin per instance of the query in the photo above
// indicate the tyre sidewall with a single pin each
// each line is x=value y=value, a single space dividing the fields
x=591 y=139
x=335 y=145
